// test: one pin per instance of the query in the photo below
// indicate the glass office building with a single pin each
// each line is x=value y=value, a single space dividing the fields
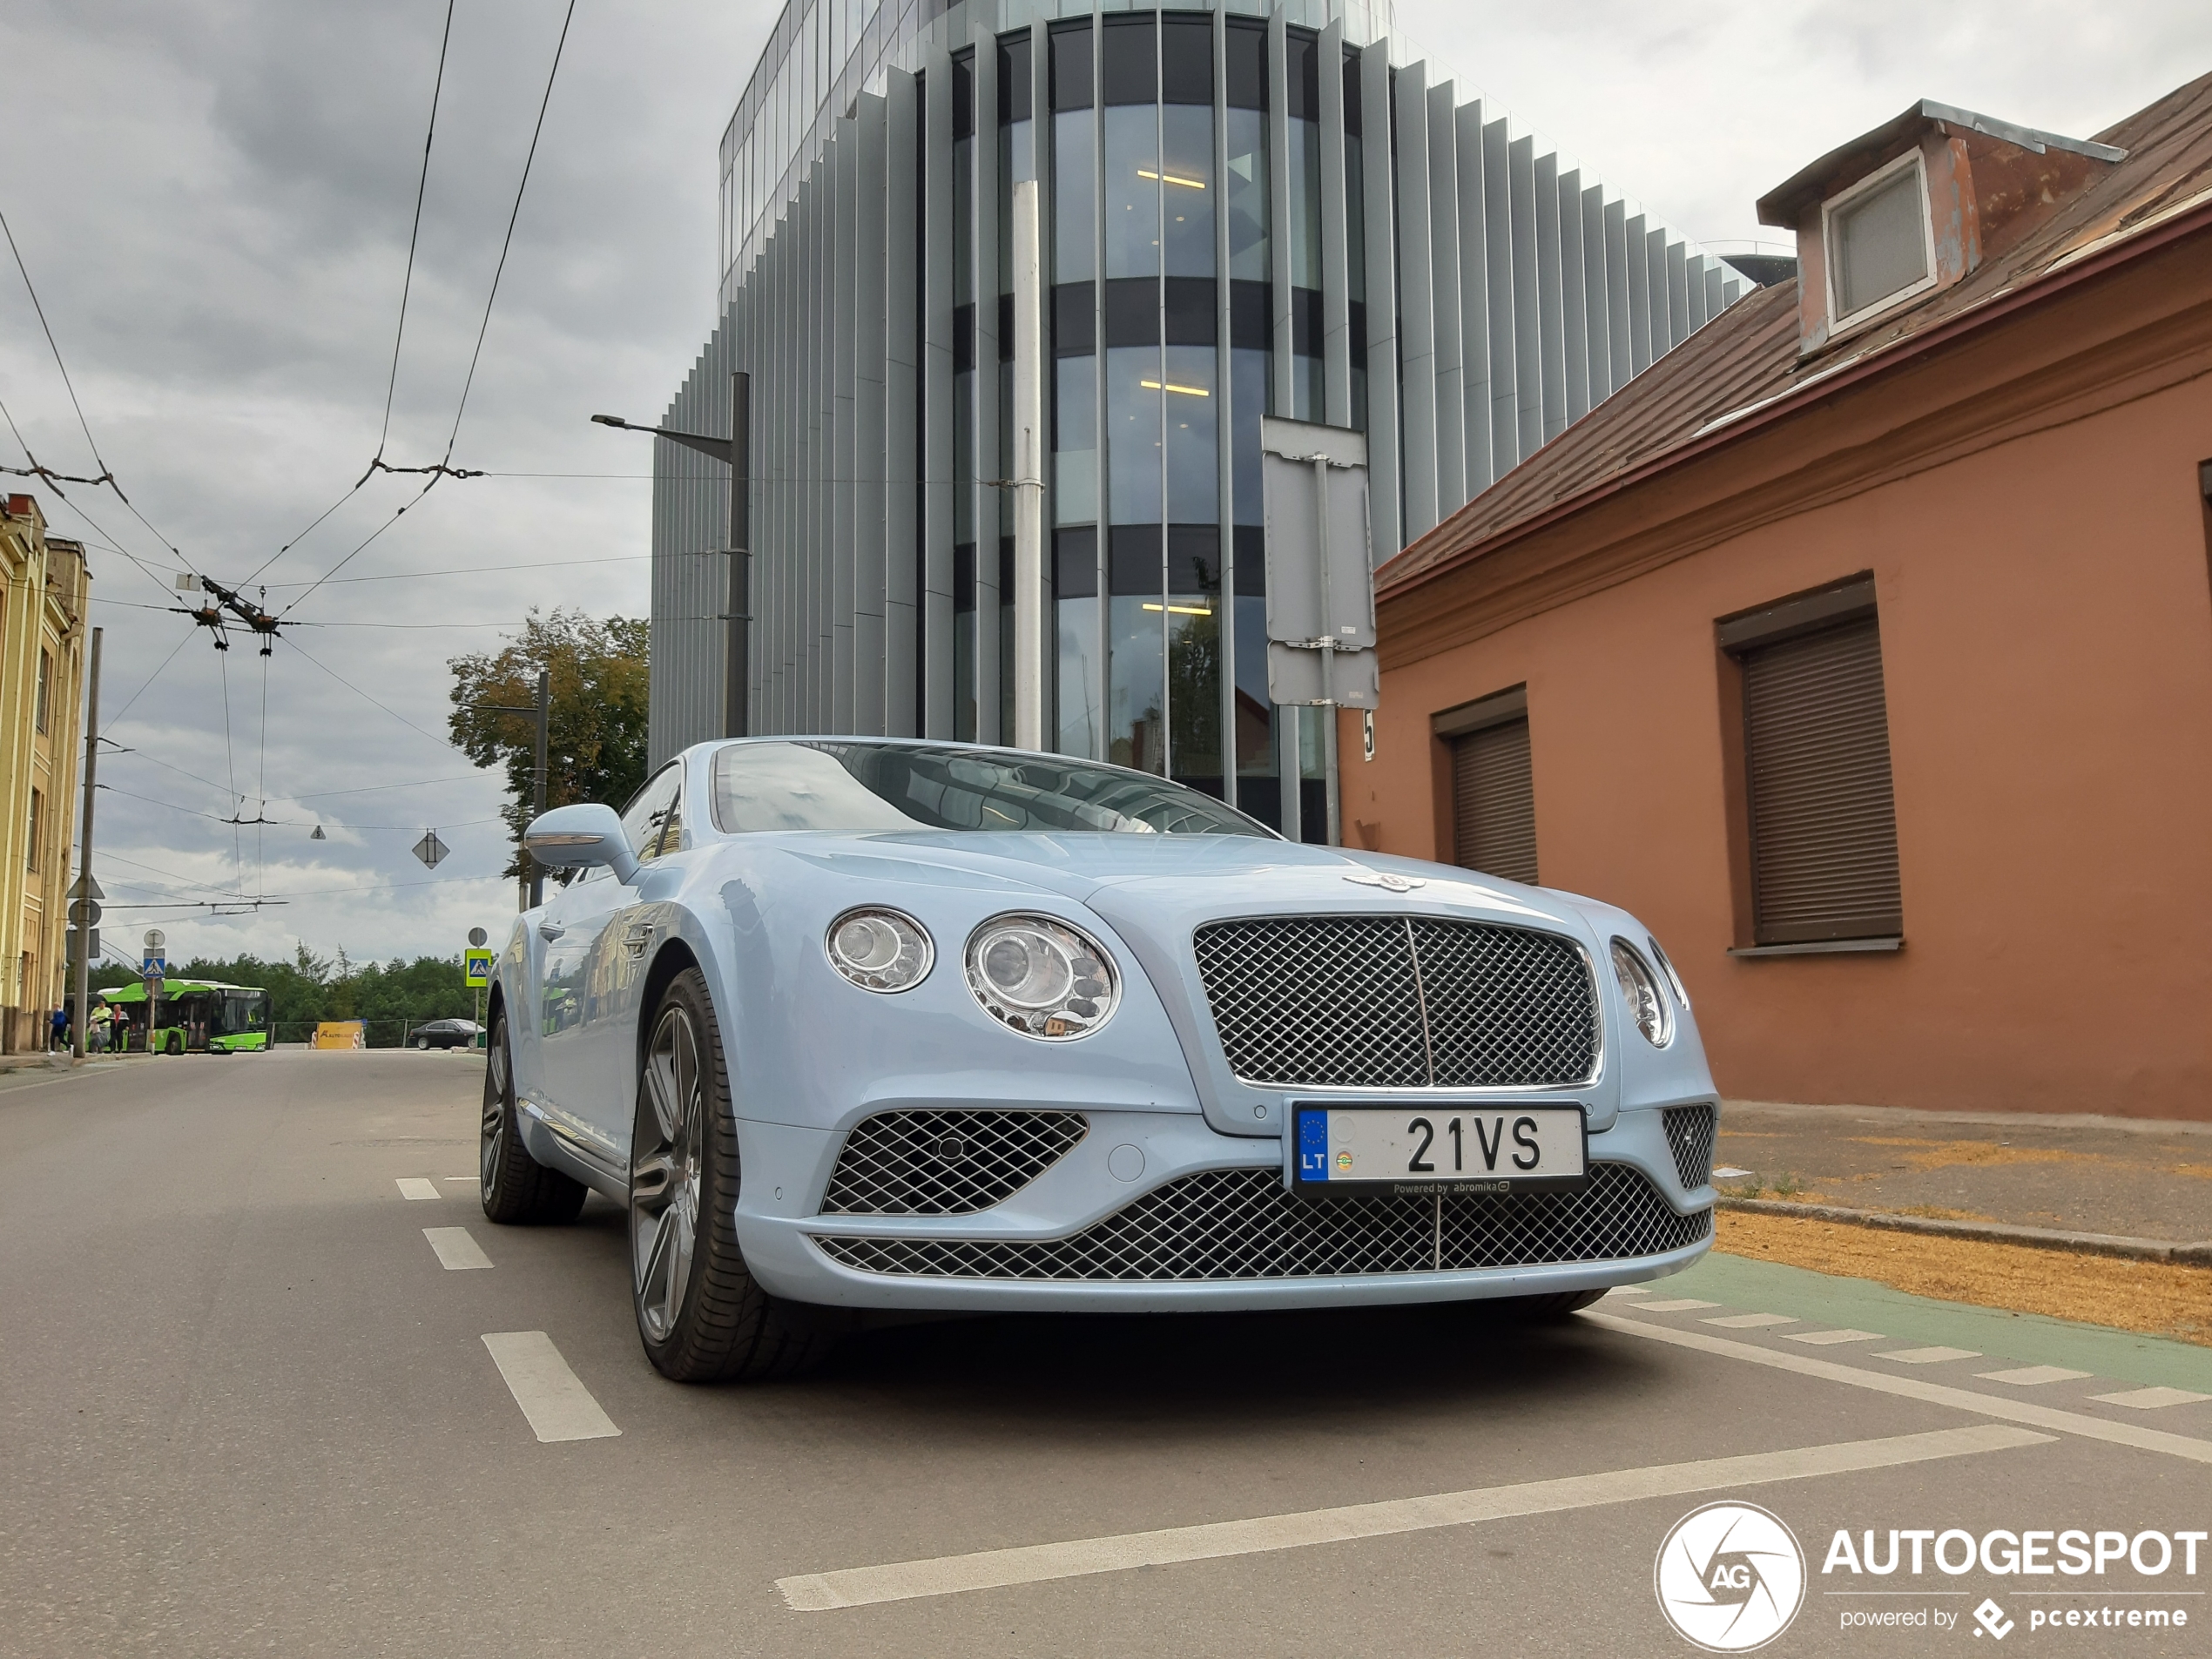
x=1243 y=213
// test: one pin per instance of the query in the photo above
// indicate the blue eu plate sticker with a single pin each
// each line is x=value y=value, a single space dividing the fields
x=1313 y=1146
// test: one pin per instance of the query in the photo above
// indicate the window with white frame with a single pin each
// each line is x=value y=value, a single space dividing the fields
x=1879 y=243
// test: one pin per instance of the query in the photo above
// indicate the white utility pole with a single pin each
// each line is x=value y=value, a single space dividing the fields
x=1028 y=474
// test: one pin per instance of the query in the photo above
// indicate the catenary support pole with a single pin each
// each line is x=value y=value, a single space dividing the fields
x=1028 y=480
x=83 y=917
x=537 y=786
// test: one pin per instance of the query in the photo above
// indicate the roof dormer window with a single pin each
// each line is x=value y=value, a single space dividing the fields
x=1880 y=246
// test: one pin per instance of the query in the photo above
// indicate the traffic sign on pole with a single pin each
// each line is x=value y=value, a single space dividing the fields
x=430 y=849
x=477 y=965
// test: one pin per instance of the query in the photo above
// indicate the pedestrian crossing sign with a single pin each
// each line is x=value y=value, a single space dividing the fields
x=478 y=966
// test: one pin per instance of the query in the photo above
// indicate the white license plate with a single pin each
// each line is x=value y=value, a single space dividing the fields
x=1444 y=1147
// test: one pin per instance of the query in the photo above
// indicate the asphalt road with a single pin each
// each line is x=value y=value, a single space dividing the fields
x=246 y=1408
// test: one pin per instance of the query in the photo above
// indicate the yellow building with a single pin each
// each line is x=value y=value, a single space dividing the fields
x=43 y=586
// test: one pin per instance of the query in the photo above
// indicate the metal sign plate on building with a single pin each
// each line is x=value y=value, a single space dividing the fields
x=1320 y=582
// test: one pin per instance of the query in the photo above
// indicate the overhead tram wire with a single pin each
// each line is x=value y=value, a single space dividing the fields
x=107 y=473
x=443 y=468
x=407 y=287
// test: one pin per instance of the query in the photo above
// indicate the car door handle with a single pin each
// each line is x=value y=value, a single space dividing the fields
x=550 y=931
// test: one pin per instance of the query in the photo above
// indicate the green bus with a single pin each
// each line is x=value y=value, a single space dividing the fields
x=196 y=1016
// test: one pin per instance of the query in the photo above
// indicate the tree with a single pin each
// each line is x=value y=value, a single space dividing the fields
x=596 y=728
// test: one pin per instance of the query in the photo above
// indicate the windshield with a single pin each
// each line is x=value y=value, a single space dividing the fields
x=883 y=787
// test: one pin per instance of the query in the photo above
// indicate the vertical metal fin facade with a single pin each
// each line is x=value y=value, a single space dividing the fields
x=1507 y=295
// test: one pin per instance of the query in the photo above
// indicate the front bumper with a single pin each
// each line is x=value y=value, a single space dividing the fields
x=787 y=1245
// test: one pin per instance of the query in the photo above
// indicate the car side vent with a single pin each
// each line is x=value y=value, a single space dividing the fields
x=1689 y=1137
x=946 y=1162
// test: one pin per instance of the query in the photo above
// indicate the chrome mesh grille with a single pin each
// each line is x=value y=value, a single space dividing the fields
x=1689 y=1137
x=946 y=1162
x=1241 y=1224
x=1398 y=1002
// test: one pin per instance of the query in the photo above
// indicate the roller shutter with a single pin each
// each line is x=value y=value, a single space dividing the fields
x=1494 y=801
x=1817 y=770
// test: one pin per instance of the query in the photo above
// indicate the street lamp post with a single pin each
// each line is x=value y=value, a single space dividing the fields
x=734 y=452
x=539 y=713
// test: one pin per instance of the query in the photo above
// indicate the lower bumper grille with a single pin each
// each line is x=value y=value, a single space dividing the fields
x=1689 y=1137
x=1241 y=1224
x=946 y=1162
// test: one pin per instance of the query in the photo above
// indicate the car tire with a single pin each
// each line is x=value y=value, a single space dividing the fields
x=422 y=1044
x=517 y=1190
x=701 y=1314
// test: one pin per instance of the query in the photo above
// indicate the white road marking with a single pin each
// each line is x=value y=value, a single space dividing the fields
x=457 y=1247
x=1823 y=1339
x=2033 y=1375
x=1748 y=1321
x=414 y=1186
x=559 y=1407
x=2150 y=1399
x=1680 y=1305
x=1928 y=1356
x=2059 y=1421
x=1730 y=1172
x=1630 y=1289
x=1033 y=1563
x=466 y=1180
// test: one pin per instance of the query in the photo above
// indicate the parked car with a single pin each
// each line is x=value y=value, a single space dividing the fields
x=986 y=1029
x=445 y=1033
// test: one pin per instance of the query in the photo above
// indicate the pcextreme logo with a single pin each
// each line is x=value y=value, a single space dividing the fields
x=1729 y=1577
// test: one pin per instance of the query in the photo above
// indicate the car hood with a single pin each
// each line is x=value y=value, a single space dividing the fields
x=1164 y=878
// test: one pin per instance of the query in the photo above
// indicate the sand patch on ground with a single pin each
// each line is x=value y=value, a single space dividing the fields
x=2158 y=1298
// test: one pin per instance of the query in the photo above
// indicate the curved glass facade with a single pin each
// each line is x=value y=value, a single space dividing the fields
x=1221 y=195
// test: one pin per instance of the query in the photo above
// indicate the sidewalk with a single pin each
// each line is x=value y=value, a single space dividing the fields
x=2134 y=1177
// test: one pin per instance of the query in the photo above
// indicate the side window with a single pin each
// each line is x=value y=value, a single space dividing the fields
x=651 y=815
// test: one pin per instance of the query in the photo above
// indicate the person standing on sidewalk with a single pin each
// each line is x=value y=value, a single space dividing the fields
x=60 y=1028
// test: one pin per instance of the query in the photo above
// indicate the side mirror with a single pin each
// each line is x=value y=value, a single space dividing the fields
x=587 y=833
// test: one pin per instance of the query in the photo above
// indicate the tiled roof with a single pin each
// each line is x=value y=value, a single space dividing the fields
x=1748 y=357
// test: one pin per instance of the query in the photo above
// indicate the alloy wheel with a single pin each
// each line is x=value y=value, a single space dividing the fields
x=665 y=1173
x=491 y=1132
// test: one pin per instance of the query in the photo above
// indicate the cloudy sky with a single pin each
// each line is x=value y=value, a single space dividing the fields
x=215 y=197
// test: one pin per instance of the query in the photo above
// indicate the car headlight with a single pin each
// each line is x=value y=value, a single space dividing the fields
x=1042 y=977
x=879 y=950
x=1640 y=990
x=1673 y=979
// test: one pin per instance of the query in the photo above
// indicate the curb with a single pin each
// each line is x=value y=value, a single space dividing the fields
x=1991 y=1232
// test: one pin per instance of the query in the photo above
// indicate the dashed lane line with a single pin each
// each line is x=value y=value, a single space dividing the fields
x=2052 y=1418
x=558 y=1406
x=457 y=1247
x=2151 y=1400
x=2034 y=1376
x=414 y=1186
x=1748 y=1321
x=1826 y=1338
x=1929 y=1356
x=1680 y=1305
x=1078 y=1558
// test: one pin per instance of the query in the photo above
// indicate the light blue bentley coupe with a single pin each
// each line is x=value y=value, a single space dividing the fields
x=854 y=1024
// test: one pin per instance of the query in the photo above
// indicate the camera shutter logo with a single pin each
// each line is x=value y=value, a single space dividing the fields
x=1729 y=1577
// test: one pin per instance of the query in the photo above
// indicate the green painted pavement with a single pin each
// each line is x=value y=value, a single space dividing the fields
x=1740 y=1284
